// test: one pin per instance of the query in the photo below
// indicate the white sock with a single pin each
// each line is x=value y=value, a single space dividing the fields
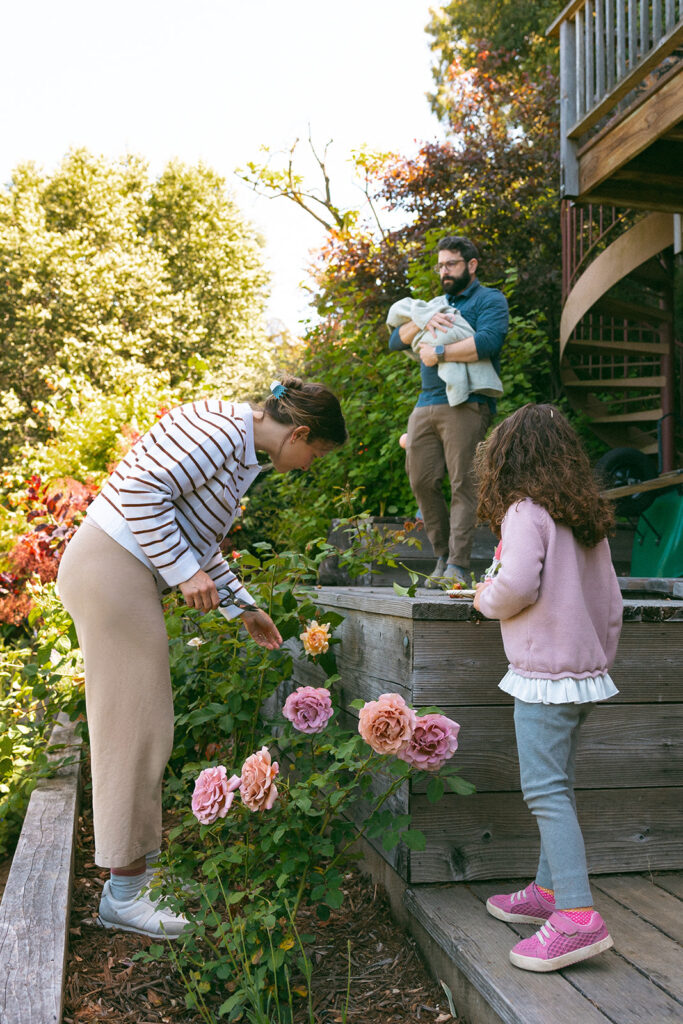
x=126 y=887
x=152 y=859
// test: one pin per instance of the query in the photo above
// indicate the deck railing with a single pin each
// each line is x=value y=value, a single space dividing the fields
x=607 y=49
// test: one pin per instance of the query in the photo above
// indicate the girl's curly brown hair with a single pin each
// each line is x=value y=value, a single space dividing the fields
x=535 y=453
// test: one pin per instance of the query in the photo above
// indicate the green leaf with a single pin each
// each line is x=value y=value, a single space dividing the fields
x=435 y=790
x=414 y=839
x=460 y=786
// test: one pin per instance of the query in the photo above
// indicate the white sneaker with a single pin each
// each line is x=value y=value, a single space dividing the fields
x=142 y=914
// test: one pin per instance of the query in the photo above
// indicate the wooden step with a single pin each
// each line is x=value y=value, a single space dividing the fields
x=630 y=417
x=648 y=348
x=633 y=310
x=34 y=913
x=597 y=384
x=637 y=982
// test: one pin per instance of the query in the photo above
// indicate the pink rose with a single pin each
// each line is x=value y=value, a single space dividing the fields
x=316 y=638
x=386 y=724
x=433 y=742
x=258 y=788
x=309 y=708
x=213 y=794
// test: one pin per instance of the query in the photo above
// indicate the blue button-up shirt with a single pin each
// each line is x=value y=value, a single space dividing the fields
x=486 y=309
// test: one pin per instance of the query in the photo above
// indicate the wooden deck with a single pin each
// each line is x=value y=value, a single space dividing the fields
x=638 y=981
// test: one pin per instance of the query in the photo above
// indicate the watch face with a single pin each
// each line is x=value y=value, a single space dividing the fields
x=439 y=349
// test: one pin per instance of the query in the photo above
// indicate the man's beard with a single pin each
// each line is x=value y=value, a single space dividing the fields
x=455 y=285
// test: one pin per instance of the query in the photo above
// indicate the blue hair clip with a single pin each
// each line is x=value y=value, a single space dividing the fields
x=278 y=389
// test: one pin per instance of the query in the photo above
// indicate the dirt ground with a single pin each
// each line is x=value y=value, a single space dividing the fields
x=389 y=982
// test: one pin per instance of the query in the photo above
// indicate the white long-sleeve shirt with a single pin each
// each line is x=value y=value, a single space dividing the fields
x=172 y=499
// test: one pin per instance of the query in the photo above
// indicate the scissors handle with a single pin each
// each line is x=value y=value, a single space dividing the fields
x=229 y=598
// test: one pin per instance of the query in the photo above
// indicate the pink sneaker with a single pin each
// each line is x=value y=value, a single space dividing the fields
x=526 y=906
x=561 y=942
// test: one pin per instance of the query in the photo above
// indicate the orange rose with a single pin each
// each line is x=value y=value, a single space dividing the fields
x=386 y=724
x=258 y=788
x=316 y=638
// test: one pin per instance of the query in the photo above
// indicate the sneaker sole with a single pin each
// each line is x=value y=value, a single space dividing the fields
x=532 y=963
x=503 y=915
x=137 y=931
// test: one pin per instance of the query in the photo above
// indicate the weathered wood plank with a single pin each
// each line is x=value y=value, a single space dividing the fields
x=641 y=895
x=493 y=835
x=664 y=108
x=487 y=753
x=625 y=983
x=671 y=882
x=644 y=946
x=463 y=663
x=458 y=663
x=376 y=646
x=34 y=910
x=479 y=946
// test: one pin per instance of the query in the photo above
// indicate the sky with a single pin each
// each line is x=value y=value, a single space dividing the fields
x=214 y=80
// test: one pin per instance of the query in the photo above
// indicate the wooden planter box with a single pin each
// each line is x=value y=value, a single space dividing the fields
x=630 y=768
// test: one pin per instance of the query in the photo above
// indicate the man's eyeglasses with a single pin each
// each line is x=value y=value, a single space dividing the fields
x=448 y=265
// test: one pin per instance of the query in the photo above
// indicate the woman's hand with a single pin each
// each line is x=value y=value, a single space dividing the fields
x=262 y=629
x=200 y=592
x=479 y=587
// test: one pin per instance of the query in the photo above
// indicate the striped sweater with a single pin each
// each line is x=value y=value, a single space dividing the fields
x=174 y=496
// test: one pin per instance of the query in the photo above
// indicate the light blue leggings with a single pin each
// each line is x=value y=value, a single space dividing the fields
x=547 y=736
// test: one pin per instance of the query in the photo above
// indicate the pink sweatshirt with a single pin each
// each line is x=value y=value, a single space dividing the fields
x=559 y=602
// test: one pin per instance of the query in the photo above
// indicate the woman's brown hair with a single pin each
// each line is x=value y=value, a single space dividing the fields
x=536 y=453
x=309 y=405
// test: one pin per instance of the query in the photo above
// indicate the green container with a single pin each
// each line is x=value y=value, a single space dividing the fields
x=658 y=542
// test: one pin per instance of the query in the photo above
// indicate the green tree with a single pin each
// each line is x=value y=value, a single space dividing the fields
x=107 y=276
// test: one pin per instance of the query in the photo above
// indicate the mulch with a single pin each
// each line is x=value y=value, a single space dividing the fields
x=390 y=984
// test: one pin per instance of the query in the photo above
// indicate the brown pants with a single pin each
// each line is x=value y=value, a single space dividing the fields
x=444 y=438
x=114 y=602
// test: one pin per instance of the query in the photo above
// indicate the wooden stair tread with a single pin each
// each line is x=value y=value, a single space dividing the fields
x=629 y=417
x=625 y=383
x=654 y=347
x=479 y=946
x=632 y=310
x=670 y=479
x=646 y=898
x=639 y=980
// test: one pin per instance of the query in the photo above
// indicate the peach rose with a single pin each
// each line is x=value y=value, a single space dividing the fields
x=258 y=788
x=433 y=742
x=316 y=638
x=213 y=794
x=386 y=724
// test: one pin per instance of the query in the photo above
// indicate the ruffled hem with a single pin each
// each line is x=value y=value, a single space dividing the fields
x=558 y=691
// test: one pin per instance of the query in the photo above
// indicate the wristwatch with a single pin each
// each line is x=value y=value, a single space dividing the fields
x=440 y=351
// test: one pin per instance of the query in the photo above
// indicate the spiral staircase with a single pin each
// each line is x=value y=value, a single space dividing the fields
x=622 y=184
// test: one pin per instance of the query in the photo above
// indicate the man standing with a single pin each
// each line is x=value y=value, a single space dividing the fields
x=441 y=437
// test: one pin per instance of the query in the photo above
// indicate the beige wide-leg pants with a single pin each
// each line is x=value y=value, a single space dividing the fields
x=444 y=438
x=115 y=604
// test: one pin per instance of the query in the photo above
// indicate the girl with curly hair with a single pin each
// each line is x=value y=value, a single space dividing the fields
x=558 y=600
